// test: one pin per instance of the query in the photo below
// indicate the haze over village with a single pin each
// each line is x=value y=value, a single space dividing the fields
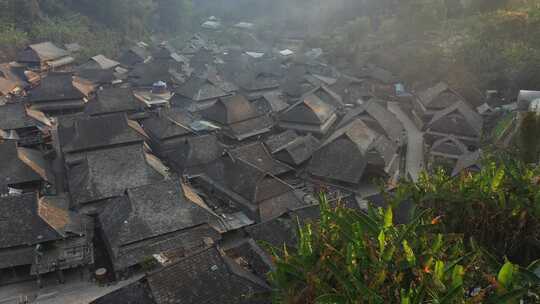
x=242 y=151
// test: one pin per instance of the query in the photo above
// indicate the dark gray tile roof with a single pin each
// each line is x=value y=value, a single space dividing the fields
x=257 y=155
x=449 y=146
x=105 y=173
x=198 y=89
x=97 y=76
x=391 y=125
x=146 y=74
x=275 y=142
x=438 y=97
x=12 y=169
x=230 y=110
x=20 y=223
x=269 y=103
x=55 y=87
x=342 y=157
x=150 y=211
x=205 y=277
x=113 y=100
x=168 y=124
x=196 y=151
x=13 y=116
x=297 y=151
x=310 y=110
x=134 y=293
x=471 y=117
x=88 y=133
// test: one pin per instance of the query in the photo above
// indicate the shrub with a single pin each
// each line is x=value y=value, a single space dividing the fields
x=351 y=257
x=499 y=207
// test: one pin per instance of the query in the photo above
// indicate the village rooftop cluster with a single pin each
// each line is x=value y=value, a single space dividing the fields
x=174 y=165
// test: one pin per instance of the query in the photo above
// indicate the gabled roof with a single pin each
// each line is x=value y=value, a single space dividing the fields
x=97 y=76
x=113 y=100
x=474 y=119
x=20 y=223
x=271 y=102
x=55 y=87
x=198 y=89
x=197 y=151
x=41 y=52
x=150 y=211
x=7 y=86
x=439 y=96
x=297 y=151
x=257 y=155
x=54 y=210
x=13 y=170
x=205 y=277
x=230 y=110
x=106 y=173
x=168 y=124
x=310 y=110
x=343 y=156
x=387 y=120
x=104 y=62
x=146 y=74
x=88 y=133
x=449 y=147
x=275 y=142
x=134 y=55
x=13 y=116
x=328 y=96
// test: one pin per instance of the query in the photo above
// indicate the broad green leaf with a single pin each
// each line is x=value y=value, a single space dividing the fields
x=453 y=296
x=439 y=270
x=497 y=180
x=409 y=253
x=457 y=276
x=388 y=218
x=382 y=241
x=506 y=275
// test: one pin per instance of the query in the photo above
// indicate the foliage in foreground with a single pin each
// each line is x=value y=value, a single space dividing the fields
x=499 y=207
x=351 y=257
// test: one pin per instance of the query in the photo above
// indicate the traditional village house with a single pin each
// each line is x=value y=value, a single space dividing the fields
x=57 y=94
x=237 y=117
x=445 y=152
x=196 y=94
x=459 y=120
x=378 y=118
x=112 y=101
x=353 y=152
x=44 y=56
x=16 y=124
x=291 y=148
x=194 y=153
x=99 y=62
x=135 y=55
x=168 y=129
x=431 y=100
x=270 y=103
x=252 y=184
x=41 y=236
x=208 y=276
x=22 y=168
x=328 y=96
x=104 y=157
x=152 y=219
x=309 y=115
